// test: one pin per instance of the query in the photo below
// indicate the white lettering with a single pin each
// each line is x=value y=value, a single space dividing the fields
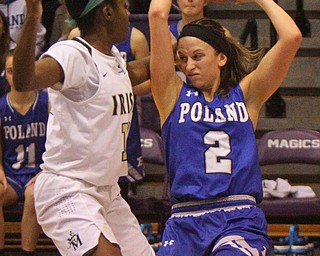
x=243 y=113
x=34 y=129
x=234 y=112
x=42 y=129
x=294 y=143
x=146 y=143
x=231 y=112
x=196 y=112
x=208 y=117
x=185 y=108
x=219 y=116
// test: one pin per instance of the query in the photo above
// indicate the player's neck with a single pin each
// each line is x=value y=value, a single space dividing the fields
x=22 y=101
x=95 y=41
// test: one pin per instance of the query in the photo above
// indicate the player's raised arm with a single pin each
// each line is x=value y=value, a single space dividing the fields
x=28 y=74
x=164 y=81
x=273 y=68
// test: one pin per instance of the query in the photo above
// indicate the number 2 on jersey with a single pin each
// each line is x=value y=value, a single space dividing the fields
x=215 y=155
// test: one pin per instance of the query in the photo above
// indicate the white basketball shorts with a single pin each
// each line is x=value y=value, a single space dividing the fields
x=74 y=213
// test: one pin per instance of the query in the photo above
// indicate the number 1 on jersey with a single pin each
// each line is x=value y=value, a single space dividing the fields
x=25 y=154
x=125 y=132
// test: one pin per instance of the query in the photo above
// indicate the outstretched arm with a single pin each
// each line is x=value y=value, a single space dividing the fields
x=273 y=68
x=28 y=74
x=140 y=49
x=139 y=70
x=165 y=83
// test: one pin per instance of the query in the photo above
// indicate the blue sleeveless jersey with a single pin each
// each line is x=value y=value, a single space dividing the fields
x=174 y=29
x=210 y=148
x=23 y=136
x=125 y=47
x=134 y=151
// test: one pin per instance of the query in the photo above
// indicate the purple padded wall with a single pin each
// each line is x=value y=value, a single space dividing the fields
x=152 y=146
x=289 y=146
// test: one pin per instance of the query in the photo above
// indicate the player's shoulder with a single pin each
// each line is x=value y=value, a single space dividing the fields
x=70 y=47
x=3 y=105
x=43 y=94
x=70 y=54
x=3 y=99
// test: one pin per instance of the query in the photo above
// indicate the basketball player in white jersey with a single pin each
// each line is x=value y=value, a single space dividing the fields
x=77 y=199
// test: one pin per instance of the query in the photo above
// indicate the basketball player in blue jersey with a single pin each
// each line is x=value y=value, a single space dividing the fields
x=23 y=124
x=208 y=129
x=134 y=47
x=190 y=10
x=77 y=197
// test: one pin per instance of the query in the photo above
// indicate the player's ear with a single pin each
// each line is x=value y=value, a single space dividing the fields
x=222 y=59
x=108 y=12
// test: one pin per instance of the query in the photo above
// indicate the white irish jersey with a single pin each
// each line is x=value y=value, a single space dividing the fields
x=90 y=116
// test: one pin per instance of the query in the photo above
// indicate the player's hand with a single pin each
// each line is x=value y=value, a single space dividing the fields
x=34 y=9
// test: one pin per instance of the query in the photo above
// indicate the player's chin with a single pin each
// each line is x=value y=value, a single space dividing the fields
x=195 y=80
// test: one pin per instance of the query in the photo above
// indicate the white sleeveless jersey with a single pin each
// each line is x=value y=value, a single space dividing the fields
x=90 y=116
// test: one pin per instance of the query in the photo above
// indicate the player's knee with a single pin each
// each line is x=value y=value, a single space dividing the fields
x=29 y=200
x=29 y=193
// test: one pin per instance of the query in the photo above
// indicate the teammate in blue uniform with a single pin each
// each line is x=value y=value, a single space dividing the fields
x=134 y=47
x=23 y=134
x=190 y=10
x=208 y=128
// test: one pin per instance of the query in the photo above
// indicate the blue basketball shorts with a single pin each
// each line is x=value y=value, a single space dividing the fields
x=19 y=184
x=234 y=227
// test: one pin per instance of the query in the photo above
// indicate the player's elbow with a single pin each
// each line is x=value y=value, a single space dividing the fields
x=295 y=38
x=158 y=14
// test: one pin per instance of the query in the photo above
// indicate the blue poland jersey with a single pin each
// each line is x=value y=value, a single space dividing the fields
x=125 y=48
x=211 y=150
x=134 y=151
x=23 y=136
x=174 y=29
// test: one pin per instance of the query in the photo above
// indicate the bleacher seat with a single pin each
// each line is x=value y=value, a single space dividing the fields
x=294 y=155
x=147 y=206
